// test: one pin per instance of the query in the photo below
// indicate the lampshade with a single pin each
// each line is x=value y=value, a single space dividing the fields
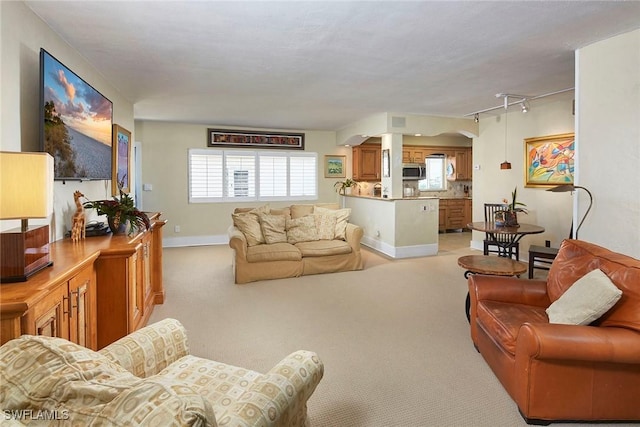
x=564 y=188
x=26 y=185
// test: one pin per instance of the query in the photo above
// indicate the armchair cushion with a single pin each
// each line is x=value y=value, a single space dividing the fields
x=585 y=301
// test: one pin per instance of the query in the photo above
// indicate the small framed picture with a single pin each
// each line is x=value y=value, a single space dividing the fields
x=386 y=169
x=121 y=149
x=334 y=166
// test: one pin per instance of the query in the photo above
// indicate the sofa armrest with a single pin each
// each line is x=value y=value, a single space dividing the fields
x=149 y=350
x=280 y=394
x=238 y=242
x=508 y=289
x=354 y=235
x=579 y=343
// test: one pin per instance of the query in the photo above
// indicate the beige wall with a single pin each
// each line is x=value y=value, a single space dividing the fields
x=164 y=164
x=608 y=107
x=547 y=116
x=22 y=34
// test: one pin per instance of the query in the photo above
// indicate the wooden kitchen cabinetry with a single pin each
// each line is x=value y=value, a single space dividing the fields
x=462 y=165
x=97 y=291
x=468 y=212
x=366 y=162
x=413 y=155
x=452 y=214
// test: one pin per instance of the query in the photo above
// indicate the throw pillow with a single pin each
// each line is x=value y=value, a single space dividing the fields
x=301 y=229
x=342 y=218
x=273 y=228
x=326 y=226
x=249 y=225
x=585 y=301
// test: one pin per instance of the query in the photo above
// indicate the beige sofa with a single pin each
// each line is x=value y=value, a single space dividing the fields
x=293 y=241
x=148 y=378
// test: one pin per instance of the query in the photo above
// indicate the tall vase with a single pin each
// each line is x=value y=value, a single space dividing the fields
x=121 y=229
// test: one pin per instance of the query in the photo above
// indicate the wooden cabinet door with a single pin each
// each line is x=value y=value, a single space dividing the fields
x=461 y=172
x=442 y=217
x=413 y=155
x=468 y=212
x=135 y=289
x=82 y=318
x=370 y=163
x=50 y=316
x=455 y=214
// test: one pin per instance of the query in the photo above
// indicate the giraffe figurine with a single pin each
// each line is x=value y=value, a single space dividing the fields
x=78 y=230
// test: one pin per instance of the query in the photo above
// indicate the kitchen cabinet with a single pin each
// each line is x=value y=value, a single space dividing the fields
x=462 y=165
x=468 y=212
x=452 y=214
x=366 y=162
x=413 y=155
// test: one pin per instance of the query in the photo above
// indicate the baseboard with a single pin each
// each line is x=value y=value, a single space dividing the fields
x=400 y=251
x=178 y=242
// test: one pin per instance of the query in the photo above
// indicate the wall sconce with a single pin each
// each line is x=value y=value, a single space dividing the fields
x=26 y=191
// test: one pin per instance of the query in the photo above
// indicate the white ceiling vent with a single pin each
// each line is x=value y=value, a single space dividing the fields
x=398 y=122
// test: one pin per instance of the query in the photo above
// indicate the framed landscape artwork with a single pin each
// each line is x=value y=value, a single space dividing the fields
x=121 y=159
x=334 y=166
x=548 y=160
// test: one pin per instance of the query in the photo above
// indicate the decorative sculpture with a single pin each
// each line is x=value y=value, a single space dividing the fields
x=78 y=230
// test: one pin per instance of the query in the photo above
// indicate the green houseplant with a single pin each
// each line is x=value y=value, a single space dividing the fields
x=344 y=187
x=120 y=211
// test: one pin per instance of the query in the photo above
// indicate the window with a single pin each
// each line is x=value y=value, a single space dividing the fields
x=225 y=175
x=435 y=174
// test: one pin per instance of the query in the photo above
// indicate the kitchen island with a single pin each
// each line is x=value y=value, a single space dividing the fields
x=397 y=227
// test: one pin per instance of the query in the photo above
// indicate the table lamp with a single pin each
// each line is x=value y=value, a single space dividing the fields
x=570 y=188
x=26 y=191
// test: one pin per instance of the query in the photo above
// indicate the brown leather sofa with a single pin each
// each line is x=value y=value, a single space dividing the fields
x=564 y=372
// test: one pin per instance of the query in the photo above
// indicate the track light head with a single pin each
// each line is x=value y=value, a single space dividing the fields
x=524 y=105
x=476 y=118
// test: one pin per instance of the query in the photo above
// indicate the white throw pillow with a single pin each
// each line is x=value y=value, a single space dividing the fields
x=585 y=301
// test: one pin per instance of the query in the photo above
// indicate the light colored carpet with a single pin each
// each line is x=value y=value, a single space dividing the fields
x=394 y=337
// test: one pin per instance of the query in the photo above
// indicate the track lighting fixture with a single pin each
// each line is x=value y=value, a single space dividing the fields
x=524 y=105
x=476 y=118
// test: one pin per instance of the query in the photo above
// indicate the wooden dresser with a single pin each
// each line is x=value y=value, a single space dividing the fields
x=97 y=291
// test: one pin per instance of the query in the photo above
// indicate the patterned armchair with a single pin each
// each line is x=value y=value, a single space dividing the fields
x=149 y=378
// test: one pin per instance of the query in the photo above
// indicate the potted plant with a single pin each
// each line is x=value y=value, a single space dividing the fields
x=120 y=211
x=509 y=217
x=344 y=187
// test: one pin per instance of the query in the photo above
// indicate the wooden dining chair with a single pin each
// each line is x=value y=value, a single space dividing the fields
x=489 y=211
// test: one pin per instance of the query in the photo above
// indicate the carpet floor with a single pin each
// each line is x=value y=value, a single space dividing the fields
x=394 y=338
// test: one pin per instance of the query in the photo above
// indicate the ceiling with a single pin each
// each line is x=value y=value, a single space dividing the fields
x=324 y=65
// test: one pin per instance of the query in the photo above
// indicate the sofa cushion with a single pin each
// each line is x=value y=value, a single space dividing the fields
x=273 y=252
x=342 y=218
x=298 y=211
x=273 y=228
x=323 y=248
x=585 y=301
x=301 y=229
x=502 y=320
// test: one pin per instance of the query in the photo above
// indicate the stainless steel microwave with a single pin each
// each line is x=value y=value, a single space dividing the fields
x=413 y=171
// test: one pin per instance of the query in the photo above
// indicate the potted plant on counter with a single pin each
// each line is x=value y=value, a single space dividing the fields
x=344 y=187
x=120 y=211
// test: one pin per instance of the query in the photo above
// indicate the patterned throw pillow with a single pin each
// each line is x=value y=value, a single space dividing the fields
x=249 y=224
x=325 y=226
x=301 y=229
x=342 y=218
x=273 y=228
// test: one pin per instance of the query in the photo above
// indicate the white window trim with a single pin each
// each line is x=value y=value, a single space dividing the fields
x=256 y=154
